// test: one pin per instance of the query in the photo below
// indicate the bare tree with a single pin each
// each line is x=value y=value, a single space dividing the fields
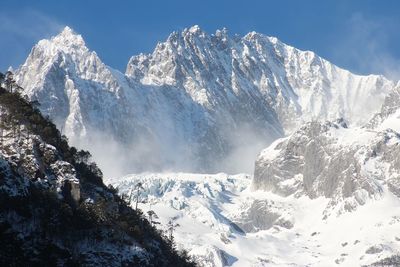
x=171 y=226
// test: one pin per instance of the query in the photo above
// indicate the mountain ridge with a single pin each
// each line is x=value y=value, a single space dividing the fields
x=213 y=98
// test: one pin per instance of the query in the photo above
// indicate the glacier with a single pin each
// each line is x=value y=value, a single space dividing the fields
x=224 y=222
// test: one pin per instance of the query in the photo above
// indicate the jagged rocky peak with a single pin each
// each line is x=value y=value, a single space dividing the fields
x=203 y=64
x=187 y=35
x=295 y=84
x=67 y=41
x=64 y=75
x=62 y=50
x=195 y=30
x=167 y=64
x=61 y=58
x=68 y=38
x=253 y=36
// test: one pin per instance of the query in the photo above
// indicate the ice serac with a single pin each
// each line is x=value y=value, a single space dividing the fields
x=213 y=100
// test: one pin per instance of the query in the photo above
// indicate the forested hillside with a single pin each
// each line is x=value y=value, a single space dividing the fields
x=55 y=209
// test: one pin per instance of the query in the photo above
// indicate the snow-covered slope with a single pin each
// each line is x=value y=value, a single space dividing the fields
x=223 y=222
x=198 y=102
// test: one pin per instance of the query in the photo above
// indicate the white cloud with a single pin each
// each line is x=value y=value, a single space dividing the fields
x=366 y=46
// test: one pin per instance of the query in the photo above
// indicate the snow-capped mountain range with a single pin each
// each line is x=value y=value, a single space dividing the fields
x=199 y=102
x=206 y=103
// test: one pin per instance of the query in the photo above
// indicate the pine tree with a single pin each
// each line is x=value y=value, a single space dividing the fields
x=138 y=187
x=9 y=81
x=2 y=77
x=152 y=216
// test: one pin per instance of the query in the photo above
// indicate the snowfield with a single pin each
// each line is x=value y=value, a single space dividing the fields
x=224 y=223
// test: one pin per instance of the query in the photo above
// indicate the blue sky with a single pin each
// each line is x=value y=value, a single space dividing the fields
x=359 y=35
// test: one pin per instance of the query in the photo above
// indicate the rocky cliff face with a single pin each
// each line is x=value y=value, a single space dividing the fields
x=198 y=102
x=346 y=165
x=333 y=159
x=388 y=117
